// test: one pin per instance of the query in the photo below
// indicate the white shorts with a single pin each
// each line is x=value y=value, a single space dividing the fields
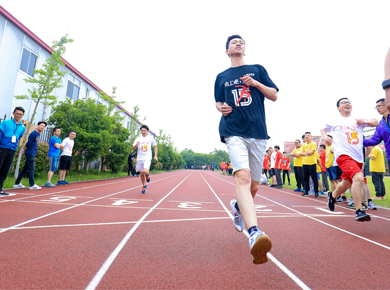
x=247 y=153
x=142 y=165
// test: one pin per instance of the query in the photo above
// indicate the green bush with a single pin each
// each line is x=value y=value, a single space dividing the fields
x=41 y=159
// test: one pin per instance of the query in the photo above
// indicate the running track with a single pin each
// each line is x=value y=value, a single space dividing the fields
x=179 y=235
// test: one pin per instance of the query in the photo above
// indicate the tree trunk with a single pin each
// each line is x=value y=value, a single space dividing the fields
x=86 y=167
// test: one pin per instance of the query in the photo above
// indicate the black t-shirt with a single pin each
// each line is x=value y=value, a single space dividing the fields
x=248 y=116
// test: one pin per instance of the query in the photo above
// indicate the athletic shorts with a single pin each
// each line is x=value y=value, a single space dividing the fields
x=319 y=175
x=349 y=166
x=247 y=153
x=331 y=173
x=142 y=165
x=339 y=172
x=65 y=162
x=53 y=163
x=272 y=172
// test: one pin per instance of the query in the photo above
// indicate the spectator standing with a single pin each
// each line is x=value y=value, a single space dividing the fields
x=10 y=133
x=273 y=173
x=266 y=163
x=66 y=157
x=130 y=161
x=54 y=155
x=278 y=166
x=309 y=164
x=30 y=152
x=298 y=171
x=324 y=173
x=286 y=168
x=377 y=168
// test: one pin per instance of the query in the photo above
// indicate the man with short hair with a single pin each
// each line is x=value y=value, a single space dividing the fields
x=266 y=164
x=286 y=168
x=298 y=171
x=382 y=132
x=377 y=168
x=309 y=164
x=278 y=166
x=240 y=92
x=10 y=132
x=324 y=173
x=348 y=151
x=66 y=157
x=272 y=170
x=30 y=152
x=53 y=155
x=144 y=145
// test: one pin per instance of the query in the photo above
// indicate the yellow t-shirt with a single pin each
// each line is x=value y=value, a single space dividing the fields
x=329 y=157
x=377 y=165
x=297 y=160
x=309 y=160
x=317 y=158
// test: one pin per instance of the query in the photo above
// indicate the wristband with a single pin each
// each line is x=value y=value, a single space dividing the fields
x=386 y=84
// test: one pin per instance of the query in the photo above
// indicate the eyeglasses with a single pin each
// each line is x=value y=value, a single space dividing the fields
x=377 y=106
x=17 y=114
x=346 y=103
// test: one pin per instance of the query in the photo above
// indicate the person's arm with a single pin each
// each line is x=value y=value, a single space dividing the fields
x=374 y=140
x=224 y=108
x=30 y=140
x=288 y=164
x=155 y=152
x=268 y=92
x=373 y=154
x=371 y=123
x=135 y=146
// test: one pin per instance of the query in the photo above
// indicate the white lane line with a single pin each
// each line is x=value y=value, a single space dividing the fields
x=15 y=191
x=106 y=265
x=315 y=200
x=68 y=208
x=325 y=223
x=272 y=258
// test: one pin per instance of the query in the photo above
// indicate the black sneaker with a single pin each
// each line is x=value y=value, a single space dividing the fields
x=341 y=199
x=272 y=185
x=331 y=201
x=316 y=194
x=2 y=193
x=279 y=186
x=305 y=194
x=361 y=216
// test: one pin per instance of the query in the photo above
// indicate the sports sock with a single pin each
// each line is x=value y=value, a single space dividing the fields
x=252 y=229
x=368 y=200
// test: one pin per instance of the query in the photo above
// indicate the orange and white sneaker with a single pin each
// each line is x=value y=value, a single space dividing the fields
x=260 y=245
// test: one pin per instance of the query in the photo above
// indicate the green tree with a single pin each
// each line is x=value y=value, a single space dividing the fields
x=44 y=81
x=92 y=125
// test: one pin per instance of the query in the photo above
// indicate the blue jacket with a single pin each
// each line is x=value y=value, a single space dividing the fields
x=32 y=143
x=381 y=133
x=9 y=128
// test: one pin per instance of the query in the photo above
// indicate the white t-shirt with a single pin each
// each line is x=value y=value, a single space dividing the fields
x=273 y=155
x=347 y=137
x=145 y=147
x=68 y=147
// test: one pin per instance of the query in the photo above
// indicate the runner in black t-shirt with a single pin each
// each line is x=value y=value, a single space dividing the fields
x=239 y=94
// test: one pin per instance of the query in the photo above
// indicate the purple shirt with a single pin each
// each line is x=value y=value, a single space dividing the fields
x=381 y=133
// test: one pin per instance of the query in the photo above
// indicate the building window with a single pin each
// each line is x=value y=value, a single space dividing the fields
x=87 y=93
x=73 y=87
x=27 y=64
x=128 y=125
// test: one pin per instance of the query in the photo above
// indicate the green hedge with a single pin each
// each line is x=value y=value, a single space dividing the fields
x=41 y=159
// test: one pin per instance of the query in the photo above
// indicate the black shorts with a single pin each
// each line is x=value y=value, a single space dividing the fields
x=339 y=172
x=65 y=162
x=271 y=172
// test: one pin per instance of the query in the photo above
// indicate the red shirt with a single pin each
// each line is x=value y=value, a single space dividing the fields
x=278 y=157
x=323 y=160
x=266 y=164
x=286 y=163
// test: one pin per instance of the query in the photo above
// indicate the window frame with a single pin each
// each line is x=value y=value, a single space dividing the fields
x=29 y=59
x=74 y=84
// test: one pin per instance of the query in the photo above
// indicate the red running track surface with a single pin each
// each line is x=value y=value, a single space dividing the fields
x=179 y=235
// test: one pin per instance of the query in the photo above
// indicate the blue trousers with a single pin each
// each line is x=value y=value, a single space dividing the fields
x=30 y=167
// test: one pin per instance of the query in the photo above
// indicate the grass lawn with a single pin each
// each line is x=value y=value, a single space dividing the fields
x=72 y=176
x=383 y=203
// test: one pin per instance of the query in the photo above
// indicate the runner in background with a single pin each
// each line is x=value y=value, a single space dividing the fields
x=348 y=150
x=144 y=145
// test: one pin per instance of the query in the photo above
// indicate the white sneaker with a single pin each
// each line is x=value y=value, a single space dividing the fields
x=260 y=245
x=35 y=187
x=238 y=221
x=19 y=185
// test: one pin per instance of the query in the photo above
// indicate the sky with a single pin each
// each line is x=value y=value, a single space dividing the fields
x=164 y=56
